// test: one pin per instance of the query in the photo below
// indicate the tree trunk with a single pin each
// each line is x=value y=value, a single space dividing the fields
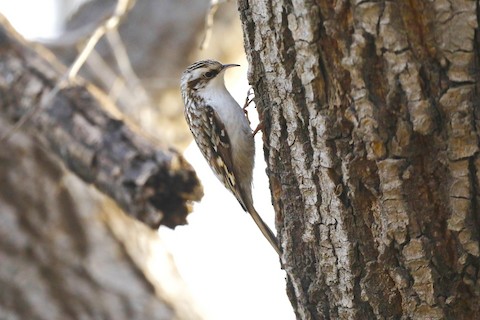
x=67 y=251
x=371 y=113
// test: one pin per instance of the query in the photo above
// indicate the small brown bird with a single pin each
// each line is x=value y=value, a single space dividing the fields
x=222 y=133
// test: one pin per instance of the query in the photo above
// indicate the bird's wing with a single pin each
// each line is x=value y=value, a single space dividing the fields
x=212 y=137
x=220 y=149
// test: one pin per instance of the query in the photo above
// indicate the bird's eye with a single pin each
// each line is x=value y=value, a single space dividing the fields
x=209 y=74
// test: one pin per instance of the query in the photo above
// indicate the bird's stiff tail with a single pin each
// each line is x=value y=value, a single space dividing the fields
x=267 y=233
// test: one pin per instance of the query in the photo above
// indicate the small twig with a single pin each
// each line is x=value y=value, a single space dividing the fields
x=209 y=22
x=101 y=70
x=125 y=67
x=121 y=55
x=111 y=23
x=108 y=78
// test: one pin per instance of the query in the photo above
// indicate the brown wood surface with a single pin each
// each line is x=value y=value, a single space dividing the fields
x=371 y=113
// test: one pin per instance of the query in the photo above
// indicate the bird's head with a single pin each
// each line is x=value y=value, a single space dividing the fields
x=204 y=74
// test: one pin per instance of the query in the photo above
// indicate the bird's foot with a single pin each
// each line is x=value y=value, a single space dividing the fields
x=248 y=101
x=260 y=127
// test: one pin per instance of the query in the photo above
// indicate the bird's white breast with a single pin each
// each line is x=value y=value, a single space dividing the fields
x=228 y=110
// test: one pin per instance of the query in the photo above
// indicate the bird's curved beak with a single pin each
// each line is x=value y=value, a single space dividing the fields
x=226 y=66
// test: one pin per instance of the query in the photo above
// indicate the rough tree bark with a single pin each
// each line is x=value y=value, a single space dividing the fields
x=371 y=113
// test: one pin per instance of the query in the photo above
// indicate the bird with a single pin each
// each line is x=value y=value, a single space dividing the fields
x=222 y=132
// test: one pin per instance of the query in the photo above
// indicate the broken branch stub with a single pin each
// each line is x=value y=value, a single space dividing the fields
x=151 y=182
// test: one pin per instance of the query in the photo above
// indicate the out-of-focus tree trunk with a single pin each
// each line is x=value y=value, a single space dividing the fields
x=371 y=113
x=66 y=251
x=77 y=122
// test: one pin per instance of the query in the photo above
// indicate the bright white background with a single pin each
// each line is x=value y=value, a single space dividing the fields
x=231 y=270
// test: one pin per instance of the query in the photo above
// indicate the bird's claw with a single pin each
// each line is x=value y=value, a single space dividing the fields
x=260 y=126
x=248 y=101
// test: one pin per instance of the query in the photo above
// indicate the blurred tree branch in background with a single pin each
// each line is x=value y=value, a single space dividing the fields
x=139 y=65
x=149 y=182
x=64 y=245
x=68 y=251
